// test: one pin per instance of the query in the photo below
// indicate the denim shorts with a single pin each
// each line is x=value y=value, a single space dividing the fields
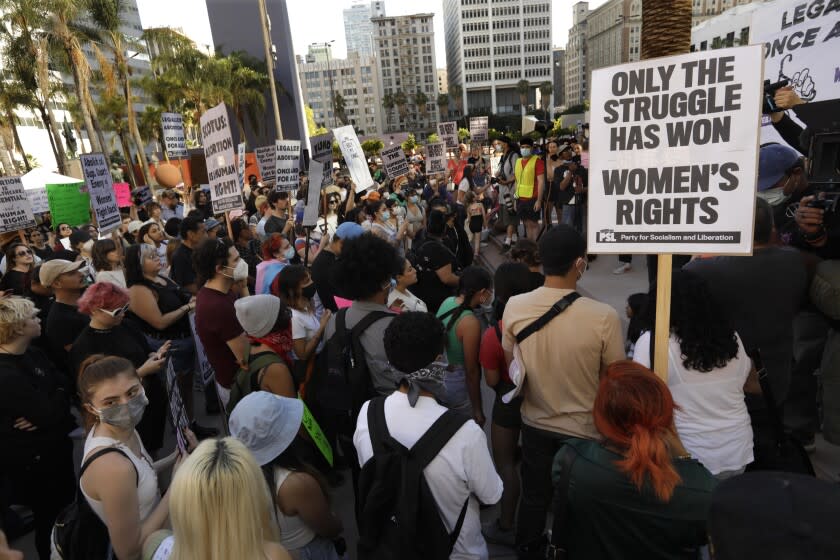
x=457 y=397
x=182 y=352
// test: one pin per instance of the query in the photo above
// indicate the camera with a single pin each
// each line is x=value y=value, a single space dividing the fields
x=770 y=89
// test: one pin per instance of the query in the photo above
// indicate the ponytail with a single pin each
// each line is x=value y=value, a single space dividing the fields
x=634 y=411
x=473 y=280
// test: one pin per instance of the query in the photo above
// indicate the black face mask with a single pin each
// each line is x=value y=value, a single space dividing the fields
x=309 y=291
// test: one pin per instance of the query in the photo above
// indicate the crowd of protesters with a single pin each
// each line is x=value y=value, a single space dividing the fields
x=634 y=466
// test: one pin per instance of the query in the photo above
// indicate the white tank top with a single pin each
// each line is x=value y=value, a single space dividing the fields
x=148 y=493
x=294 y=534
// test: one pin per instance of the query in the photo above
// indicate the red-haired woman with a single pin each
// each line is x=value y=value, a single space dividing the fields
x=637 y=493
x=276 y=253
x=106 y=304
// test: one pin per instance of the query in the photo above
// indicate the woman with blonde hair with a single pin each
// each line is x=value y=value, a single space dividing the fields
x=220 y=509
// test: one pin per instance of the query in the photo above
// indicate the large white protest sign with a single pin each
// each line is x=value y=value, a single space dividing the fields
x=394 y=161
x=287 y=165
x=173 y=135
x=319 y=177
x=15 y=210
x=225 y=190
x=354 y=157
x=435 y=158
x=322 y=146
x=266 y=156
x=674 y=145
x=478 y=129
x=448 y=133
x=103 y=199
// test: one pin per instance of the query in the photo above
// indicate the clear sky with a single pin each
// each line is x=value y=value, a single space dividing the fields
x=315 y=21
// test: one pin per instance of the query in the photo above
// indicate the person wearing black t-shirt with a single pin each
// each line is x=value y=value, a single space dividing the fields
x=324 y=264
x=64 y=322
x=435 y=264
x=38 y=244
x=192 y=233
x=19 y=264
x=35 y=420
x=280 y=220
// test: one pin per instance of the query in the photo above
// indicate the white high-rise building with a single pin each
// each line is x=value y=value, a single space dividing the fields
x=576 y=82
x=356 y=80
x=405 y=51
x=491 y=46
x=358 y=29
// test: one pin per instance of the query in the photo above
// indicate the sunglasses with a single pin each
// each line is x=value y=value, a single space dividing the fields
x=23 y=253
x=116 y=312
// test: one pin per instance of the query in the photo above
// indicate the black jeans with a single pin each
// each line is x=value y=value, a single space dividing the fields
x=538 y=450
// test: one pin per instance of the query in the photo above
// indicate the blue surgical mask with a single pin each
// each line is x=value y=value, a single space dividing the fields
x=525 y=152
x=386 y=215
x=289 y=253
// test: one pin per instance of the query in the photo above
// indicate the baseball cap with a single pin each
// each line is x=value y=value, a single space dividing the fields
x=372 y=196
x=211 y=223
x=134 y=226
x=774 y=160
x=348 y=230
x=266 y=424
x=51 y=270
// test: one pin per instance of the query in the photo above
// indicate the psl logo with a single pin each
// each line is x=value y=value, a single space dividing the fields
x=606 y=236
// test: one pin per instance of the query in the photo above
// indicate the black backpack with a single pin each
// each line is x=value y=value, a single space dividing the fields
x=78 y=533
x=398 y=514
x=341 y=380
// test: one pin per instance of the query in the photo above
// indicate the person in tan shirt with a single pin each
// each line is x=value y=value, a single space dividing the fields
x=563 y=362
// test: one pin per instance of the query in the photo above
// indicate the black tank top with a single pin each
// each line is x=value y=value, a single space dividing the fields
x=169 y=298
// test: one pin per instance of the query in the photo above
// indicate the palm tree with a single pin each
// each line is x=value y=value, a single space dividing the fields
x=246 y=91
x=456 y=92
x=12 y=95
x=443 y=105
x=401 y=101
x=68 y=37
x=666 y=27
x=106 y=15
x=523 y=87
x=545 y=96
x=149 y=125
x=340 y=107
x=421 y=100
x=388 y=104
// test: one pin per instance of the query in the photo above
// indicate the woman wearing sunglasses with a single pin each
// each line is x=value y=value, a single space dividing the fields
x=19 y=264
x=107 y=304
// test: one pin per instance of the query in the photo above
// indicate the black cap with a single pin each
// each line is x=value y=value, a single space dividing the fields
x=526 y=141
x=559 y=247
x=775 y=515
x=79 y=236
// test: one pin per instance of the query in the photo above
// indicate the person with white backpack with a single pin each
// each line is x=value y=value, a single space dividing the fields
x=563 y=341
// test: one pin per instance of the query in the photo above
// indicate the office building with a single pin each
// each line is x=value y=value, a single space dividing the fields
x=227 y=22
x=353 y=82
x=575 y=86
x=490 y=47
x=318 y=53
x=358 y=29
x=443 y=81
x=405 y=50
x=558 y=57
x=613 y=35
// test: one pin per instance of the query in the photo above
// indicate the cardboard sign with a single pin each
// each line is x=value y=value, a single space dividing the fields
x=287 y=165
x=478 y=129
x=240 y=164
x=203 y=366
x=177 y=410
x=674 y=145
x=266 y=161
x=320 y=176
x=394 y=161
x=435 y=158
x=143 y=195
x=354 y=157
x=448 y=133
x=68 y=205
x=15 y=210
x=123 y=192
x=102 y=197
x=38 y=200
x=173 y=135
x=322 y=146
x=225 y=190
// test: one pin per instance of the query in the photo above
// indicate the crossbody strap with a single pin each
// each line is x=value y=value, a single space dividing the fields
x=546 y=318
x=557 y=546
x=104 y=451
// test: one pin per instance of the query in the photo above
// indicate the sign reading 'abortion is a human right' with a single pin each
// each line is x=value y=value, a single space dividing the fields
x=674 y=145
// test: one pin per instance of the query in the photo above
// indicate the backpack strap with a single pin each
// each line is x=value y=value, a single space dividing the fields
x=260 y=362
x=104 y=451
x=367 y=321
x=498 y=331
x=378 y=427
x=556 y=548
x=546 y=318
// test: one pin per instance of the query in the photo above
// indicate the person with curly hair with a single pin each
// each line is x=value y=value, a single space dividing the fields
x=708 y=373
x=635 y=492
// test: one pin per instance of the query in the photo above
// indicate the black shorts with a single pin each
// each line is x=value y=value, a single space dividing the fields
x=507 y=415
x=525 y=210
x=476 y=224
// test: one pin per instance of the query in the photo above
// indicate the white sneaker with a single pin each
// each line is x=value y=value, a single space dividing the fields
x=625 y=267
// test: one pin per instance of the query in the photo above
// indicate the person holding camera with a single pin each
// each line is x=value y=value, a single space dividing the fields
x=506 y=183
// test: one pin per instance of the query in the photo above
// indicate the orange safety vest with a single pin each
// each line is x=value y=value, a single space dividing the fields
x=526 y=177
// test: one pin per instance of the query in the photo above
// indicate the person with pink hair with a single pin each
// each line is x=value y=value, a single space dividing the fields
x=107 y=304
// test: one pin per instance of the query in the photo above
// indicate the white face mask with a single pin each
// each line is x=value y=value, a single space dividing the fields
x=525 y=151
x=240 y=271
x=774 y=197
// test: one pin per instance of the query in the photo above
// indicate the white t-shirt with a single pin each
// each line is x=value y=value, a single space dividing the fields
x=713 y=422
x=409 y=300
x=464 y=185
x=462 y=468
x=305 y=325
